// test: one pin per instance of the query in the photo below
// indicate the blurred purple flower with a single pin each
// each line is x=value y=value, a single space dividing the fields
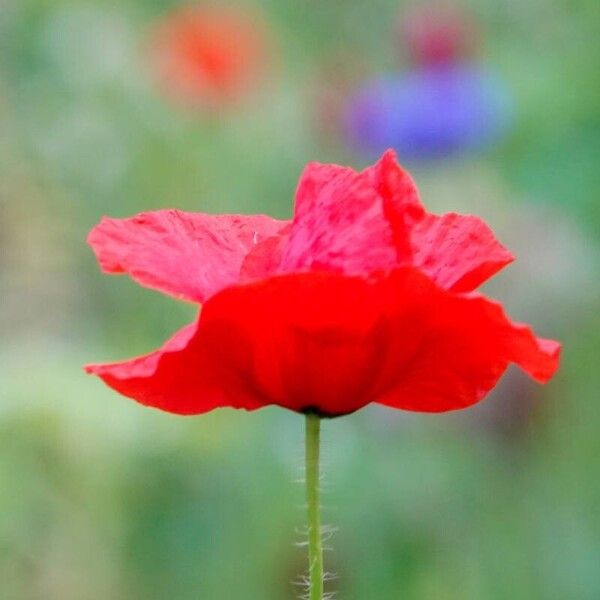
x=429 y=112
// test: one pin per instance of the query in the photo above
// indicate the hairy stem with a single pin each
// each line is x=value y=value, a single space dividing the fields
x=315 y=547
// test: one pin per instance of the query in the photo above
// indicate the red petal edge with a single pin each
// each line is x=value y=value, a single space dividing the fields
x=338 y=224
x=357 y=223
x=332 y=343
x=469 y=346
x=188 y=255
x=183 y=377
x=459 y=252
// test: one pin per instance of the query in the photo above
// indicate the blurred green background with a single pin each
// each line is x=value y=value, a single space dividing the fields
x=103 y=499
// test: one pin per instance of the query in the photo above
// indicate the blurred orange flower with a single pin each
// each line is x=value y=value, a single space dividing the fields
x=209 y=56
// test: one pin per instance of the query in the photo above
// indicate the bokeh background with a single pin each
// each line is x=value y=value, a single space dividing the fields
x=103 y=499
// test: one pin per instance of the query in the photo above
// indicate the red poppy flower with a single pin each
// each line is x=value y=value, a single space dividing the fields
x=207 y=56
x=362 y=297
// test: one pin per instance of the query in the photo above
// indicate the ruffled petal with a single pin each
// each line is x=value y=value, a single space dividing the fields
x=338 y=224
x=400 y=199
x=333 y=343
x=301 y=341
x=188 y=375
x=468 y=344
x=265 y=257
x=314 y=338
x=459 y=252
x=188 y=255
x=356 y=223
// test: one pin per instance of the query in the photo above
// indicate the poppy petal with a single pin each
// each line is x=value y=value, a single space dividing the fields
x=459 y=252
x=398 y=339
x=186 y=376
x=469 y=344
x=265 y=258
x=188 y=255
x=356 y=223
x=400 y=198
x=365 y=340
x=311 y=341
x=338 y=224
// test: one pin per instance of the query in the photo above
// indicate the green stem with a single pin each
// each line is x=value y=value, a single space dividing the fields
x=315 y=548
